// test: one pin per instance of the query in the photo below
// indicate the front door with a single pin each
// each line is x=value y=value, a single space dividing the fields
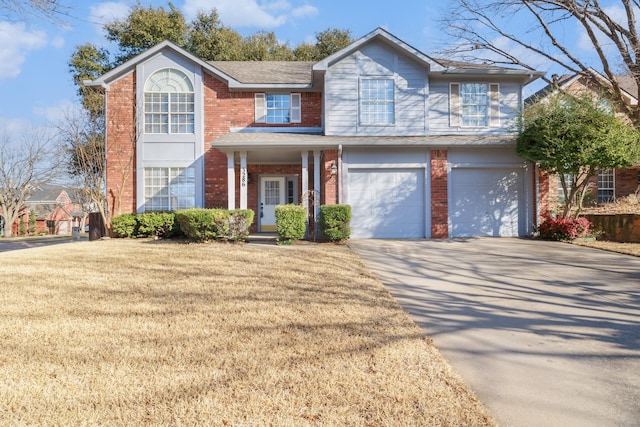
x=272 y=193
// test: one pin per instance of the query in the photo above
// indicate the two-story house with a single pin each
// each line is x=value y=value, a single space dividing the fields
x=419 y=147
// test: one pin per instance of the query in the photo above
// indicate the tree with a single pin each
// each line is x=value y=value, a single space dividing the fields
x=24 y=166
x=145 y=28
x=575 y=138
x=32 y=222
x=89 y=62
x=50 y=10
x=209 y=40
x=82 y=139
x=327 y=42
x=487 y=30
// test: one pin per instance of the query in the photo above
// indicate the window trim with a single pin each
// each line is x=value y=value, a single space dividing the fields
x=456 y=106
x=167 y=176
x=611 y=188
x=362 y=100
x=177 y=92
x=261 y=109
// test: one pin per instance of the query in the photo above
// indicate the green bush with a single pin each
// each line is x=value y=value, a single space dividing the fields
x=155 y=224
x=335 y=222
x=202 y=225
x=291 y=223
x=124 y=225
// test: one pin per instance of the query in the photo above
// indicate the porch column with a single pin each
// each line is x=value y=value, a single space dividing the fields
x=231 y=181
x=305 y=180
x=316 y=191
x=244 y=180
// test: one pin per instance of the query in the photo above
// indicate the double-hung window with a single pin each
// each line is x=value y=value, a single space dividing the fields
x=168 y=189
x=278 y=108
x=606 y=186
x=474 y=105
x=169 y=103
x=377 y=101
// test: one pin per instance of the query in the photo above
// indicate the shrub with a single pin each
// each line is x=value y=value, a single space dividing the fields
x=334 y=222
x=291 y=223
x=124 y=225
x=155 y=224
x=202 y=225
x=564 y=228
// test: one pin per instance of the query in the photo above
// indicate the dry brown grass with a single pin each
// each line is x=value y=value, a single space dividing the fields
x=160 y=333
x=622 y=248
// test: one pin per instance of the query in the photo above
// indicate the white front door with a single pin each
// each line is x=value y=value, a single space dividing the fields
x=272 y=193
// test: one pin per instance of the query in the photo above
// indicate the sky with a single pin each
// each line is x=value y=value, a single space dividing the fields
x=36 y=88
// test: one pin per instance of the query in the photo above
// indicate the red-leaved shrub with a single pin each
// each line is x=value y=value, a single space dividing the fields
x=564 y=228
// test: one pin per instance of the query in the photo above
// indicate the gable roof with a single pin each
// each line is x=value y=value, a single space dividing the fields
x=296 y=75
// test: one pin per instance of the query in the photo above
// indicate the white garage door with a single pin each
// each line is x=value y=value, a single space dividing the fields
x=386 y=203
x=486 y=202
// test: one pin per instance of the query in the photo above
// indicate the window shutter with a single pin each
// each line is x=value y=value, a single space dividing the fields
x=260 y=108
x=494 y=105
x=454 y=104
x=296 y=108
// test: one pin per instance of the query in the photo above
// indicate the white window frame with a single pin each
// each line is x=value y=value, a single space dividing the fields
x=377 y=108
x=169 y=103
x=164 y=188
x=457 y=111
x=606 y=186
x=264 y=105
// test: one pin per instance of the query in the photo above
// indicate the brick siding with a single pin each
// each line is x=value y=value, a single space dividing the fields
x=439 y=195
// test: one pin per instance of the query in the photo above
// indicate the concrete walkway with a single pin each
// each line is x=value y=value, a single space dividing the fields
x=546 y=333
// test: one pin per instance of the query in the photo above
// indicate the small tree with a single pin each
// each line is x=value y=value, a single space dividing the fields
x=575 y=138
x=24 y=166
x=32 y=222
x=22 y=229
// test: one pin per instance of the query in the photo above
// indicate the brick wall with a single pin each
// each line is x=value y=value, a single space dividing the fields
x=225 y=110
x=627 y=181
x=329 y=183
x=439 y=195
x=121 y=134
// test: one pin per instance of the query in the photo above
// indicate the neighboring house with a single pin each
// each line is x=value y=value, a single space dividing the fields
x=56 y=212
x=419 y=147
x=608 y=185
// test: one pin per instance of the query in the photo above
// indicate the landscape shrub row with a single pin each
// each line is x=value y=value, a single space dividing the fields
x=195 y=224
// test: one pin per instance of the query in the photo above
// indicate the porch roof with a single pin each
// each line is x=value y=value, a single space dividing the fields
x=290 y=140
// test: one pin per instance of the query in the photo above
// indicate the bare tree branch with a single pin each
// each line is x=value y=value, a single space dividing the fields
x=25 y=166
x=481 y=27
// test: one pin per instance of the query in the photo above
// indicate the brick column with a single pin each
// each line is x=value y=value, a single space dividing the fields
x=439 y=195
x=330 y=182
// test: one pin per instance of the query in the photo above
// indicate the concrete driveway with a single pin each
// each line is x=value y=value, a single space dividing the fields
x=546 y=333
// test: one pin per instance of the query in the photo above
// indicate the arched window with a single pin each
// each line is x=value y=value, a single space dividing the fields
x=168 y=103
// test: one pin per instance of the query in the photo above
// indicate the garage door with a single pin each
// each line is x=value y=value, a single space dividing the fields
x=386 y=203
x=486 y=202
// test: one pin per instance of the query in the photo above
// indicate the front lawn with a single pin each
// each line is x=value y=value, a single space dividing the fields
x=140 y=332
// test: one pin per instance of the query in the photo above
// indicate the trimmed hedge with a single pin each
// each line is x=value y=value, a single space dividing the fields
x=291 y=223
x=147 y=224
x=335 y=222
x=195 y=224
x=202 y=225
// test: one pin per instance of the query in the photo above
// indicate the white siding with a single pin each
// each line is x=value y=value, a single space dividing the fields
x=375 y=60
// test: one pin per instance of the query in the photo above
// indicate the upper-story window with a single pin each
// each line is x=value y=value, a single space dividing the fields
x=278 y=108
x=169 y=103
x=474 y=104
x=377 y=102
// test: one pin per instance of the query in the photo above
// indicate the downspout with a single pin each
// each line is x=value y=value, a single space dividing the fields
x=340 y=197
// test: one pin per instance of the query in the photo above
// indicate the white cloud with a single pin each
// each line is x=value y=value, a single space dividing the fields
x=107 y=12
x=56 y=113
x=250 y=13
x=16 y=41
